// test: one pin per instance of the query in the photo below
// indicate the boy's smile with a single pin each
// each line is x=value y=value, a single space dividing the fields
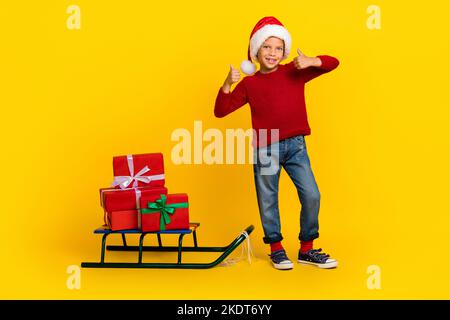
x=270 y=54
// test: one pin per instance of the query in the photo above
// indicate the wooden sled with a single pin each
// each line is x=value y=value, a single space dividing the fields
x=161 y=248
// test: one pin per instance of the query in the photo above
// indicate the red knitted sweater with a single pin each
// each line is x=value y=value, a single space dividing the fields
x=276 y=99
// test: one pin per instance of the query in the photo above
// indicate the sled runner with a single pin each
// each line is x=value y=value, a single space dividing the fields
x=105 y=231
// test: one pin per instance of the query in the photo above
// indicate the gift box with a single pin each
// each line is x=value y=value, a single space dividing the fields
x=121 y=206
x=112 y=199
x=164 y=212
x=138 y=170
x=122 y=220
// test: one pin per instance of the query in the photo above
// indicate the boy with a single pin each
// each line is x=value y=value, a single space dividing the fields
x=276 y=98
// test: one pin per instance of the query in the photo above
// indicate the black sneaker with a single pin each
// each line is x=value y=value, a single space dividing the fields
x=315 y=257
x=280 y=260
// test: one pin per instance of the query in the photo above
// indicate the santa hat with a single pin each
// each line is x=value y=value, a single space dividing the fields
x=265 y=28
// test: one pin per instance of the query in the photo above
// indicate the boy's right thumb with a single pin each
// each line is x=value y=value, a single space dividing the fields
x=232 y=68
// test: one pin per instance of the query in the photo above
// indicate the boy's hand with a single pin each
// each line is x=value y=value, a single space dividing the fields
x=303 y=62
x=233 y=76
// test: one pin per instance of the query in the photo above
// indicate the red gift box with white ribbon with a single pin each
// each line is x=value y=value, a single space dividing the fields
x=138 y=170
x=121 y=206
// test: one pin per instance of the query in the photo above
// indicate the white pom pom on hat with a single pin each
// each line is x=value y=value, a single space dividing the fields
x=248 y=67
x=265 y=28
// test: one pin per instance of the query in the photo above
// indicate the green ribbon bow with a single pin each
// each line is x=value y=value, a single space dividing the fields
x=165 y=209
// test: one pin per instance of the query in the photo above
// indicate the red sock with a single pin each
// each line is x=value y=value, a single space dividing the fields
x=305 y=246
x=276 y=246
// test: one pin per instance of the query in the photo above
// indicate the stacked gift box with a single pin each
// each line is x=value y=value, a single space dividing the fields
x=139 y=199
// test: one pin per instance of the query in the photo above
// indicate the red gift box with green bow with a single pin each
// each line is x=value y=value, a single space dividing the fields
x=163 y=212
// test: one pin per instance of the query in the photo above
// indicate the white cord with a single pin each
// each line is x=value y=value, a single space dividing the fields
x=246 y=246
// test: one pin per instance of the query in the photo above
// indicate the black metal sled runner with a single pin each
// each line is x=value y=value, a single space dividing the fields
x=178 y=265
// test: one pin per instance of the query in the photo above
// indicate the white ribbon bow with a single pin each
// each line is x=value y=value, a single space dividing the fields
x=125 y=181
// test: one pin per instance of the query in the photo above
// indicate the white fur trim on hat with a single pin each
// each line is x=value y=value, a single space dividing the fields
x=270 y=30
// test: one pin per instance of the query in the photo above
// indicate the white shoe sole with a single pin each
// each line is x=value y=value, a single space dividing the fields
x=283 y=266
x=328 y=265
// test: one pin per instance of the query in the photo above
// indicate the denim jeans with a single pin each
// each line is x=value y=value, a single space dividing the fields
x=290 y=154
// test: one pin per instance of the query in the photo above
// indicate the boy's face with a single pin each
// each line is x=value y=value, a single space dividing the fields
x=270 y=54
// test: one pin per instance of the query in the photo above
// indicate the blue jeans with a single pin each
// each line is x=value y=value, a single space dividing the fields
x=291 y=154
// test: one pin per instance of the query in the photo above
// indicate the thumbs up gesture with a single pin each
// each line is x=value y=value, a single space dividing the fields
x=303 y=62
x=233 y=76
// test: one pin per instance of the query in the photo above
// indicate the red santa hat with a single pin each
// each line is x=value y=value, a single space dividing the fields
x=265 y=28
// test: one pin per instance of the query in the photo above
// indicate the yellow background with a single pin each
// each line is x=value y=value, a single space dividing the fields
x=137 y=70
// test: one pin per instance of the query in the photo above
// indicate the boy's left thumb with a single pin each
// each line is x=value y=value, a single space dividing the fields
x=299 y=52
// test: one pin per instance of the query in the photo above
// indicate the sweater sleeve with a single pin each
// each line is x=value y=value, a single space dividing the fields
x=229 y=102
x=328 y=64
